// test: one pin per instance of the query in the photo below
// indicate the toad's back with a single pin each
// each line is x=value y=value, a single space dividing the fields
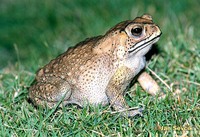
x=70 y=63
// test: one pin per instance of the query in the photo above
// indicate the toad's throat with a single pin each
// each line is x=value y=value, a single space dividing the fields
x=141 y=45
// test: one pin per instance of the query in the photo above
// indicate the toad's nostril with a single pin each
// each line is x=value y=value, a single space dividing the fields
x=154 y=28
x=157 y=29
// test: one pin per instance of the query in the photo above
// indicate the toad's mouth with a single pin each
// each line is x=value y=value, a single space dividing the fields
x=142 y=44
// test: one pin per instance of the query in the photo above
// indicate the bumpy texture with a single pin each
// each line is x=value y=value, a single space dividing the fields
x=99 y=69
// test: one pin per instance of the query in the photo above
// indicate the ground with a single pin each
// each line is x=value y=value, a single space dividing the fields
x=34 y=32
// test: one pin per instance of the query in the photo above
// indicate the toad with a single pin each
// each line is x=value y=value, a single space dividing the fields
x=99 y=69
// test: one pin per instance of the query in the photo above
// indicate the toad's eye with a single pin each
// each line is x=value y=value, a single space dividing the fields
x=136 y=31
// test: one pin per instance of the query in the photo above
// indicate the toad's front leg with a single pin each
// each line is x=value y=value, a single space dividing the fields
x=115 y=91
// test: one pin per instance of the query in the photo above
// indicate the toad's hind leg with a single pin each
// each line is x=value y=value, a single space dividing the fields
x=150 y=85
x=50 y=92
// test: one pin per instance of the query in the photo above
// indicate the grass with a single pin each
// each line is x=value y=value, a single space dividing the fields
x=34 y=32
